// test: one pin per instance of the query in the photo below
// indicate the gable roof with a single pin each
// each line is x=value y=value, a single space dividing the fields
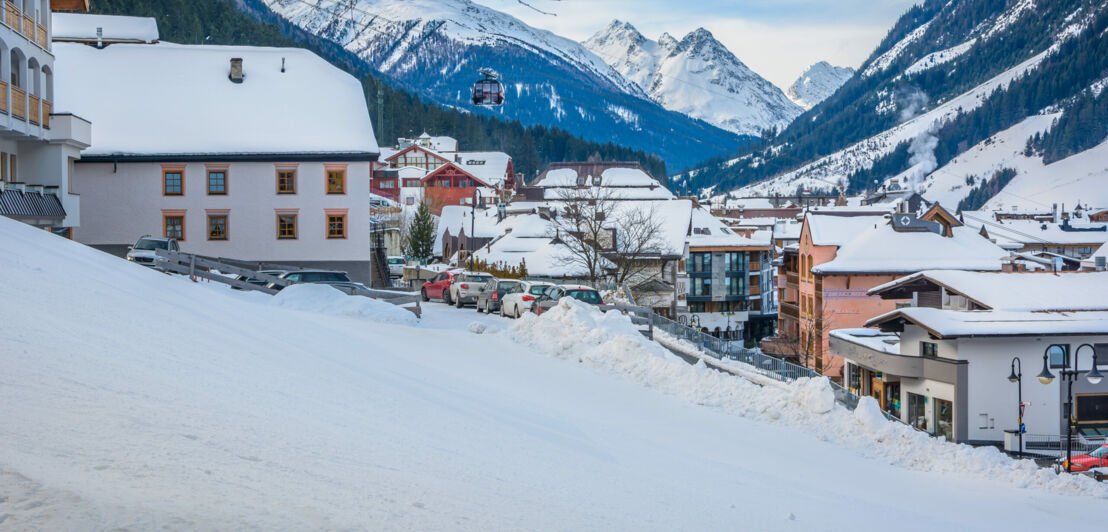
x=174 y=102
x=1016 y=291
x=830 y=230
x=435 y=173
x=882 y=249
x=415 y=147
x=1016 y=234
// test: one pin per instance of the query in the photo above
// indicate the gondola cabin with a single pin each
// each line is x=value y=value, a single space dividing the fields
x=488 y=92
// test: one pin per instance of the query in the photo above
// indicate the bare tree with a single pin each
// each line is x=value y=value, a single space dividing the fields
x=637 y=239
x=583 y=213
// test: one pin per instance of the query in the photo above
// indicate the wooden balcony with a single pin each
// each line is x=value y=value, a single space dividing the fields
x=755 y=289
x=3 y=96
x=47 y=108
x=792 y=279
x=11 y=16
x=790 y=310
x=755 y=266
x=40 y=36
x=33 y=109
x=19 y=103
x=29 y=28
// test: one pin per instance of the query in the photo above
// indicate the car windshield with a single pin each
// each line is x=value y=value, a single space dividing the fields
x=538 y=289
x=396 y=261
x=324 y=277
x=508 y=286
x=148 y=244
x=477 y=278
x=588 y=296
x=1101 y=452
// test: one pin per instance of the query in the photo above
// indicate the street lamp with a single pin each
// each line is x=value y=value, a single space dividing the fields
x=1069 y=375
x=1017 y=377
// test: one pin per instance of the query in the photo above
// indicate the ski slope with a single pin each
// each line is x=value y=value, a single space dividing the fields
x=136 y=400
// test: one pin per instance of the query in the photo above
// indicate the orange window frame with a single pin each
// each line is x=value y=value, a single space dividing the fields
x=226 y=227
x=213 y=171
x=341 y=181
x=180 y=172
x=291 y=181
x=336 y=220
x=165 y=226
x=293 y=222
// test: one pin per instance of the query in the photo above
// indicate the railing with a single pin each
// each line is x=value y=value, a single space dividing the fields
x=792 y=278
x=40 y=36
x=3 y=96
x=47 y=108
x=766 y=365
x=11 y=16
x=33 y=108
x=790 y=310
x=755 y=289
x=19 y=103
x=1054 y=445
x=29 y=27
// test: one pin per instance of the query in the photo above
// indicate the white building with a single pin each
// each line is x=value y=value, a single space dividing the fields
x=257 y=154
x=38 y=140
x=948 y=355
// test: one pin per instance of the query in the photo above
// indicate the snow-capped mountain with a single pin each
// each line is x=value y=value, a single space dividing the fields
x=697 y=76
x=957 y=91
x=435 y=48
x=817 y=83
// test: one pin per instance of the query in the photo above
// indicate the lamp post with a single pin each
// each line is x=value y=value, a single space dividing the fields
x=1017 y=377
x=1069 y=375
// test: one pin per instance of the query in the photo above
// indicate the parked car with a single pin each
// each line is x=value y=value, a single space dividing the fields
x=515 y=303
x=396 y=266
x=439 y=286
x=1085 y=462
x=553 y=294
x=258 y=282
x=493 y=293
x=466 y=287
x=312 y=276
x=143 y=252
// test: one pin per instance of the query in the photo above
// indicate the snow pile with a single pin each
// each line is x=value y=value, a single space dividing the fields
x=323 y=299
x=609 y=342
x=477 y=327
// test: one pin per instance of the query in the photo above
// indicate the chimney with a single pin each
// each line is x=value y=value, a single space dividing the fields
x=1057 y=214
x=236 y=74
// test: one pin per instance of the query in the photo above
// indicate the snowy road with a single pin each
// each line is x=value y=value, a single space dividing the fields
x=135 y=400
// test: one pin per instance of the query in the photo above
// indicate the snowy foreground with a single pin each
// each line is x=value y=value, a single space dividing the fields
x=132 y=399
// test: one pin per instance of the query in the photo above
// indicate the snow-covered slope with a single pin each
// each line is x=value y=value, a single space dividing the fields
x=436 y=47
x=136 y=400
x=817 y=83
x=697 y=76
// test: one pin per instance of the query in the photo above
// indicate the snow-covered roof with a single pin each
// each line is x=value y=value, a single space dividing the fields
x=112 y=29
x=830 y=230
x=1090 y=263
x=610 y=177
x=1019 y=291
x=617 y=193
x=708 y=231
x=1019 y=233
x=529 y=239
x=674 y=215
x=870 y=338
x=882 y=249
x=455 y=218
x=488 y=166
x=956 y=323
x=748 y=203
x=175 y=100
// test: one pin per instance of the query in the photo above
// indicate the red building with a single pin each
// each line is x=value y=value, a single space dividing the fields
x=450 y=185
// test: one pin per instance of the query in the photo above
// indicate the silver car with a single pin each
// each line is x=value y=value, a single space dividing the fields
x=467 y=286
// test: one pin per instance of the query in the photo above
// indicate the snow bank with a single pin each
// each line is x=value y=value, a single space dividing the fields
x=323 y=299
x=610 y=343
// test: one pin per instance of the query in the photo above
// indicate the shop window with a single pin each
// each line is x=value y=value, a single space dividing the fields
x=944 y=419
x=696 y=307
x=917 y=411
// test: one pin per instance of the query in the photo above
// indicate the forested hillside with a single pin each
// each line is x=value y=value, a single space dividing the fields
x=228 y=22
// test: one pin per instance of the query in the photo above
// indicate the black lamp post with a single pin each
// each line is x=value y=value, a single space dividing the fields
x=1069 y=375
x=1017 y=377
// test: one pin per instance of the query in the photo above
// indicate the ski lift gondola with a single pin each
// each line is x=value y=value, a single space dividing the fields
x=488 y=92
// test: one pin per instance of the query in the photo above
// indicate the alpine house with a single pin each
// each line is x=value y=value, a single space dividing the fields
x=258 y=154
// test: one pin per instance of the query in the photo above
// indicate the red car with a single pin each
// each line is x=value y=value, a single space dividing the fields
x=439 y=286
x=1085 y=462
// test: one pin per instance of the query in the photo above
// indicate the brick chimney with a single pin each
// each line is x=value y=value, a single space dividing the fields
x=236 y=74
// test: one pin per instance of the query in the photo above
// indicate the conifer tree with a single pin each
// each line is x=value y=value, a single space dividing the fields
x=421 y=234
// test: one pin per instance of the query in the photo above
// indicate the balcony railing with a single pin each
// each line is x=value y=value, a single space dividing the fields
x=29 y=27
x=3 y=96
x=47 y=108
x=792 y=279
x=790 y=310
x=24 y=23
x=33 y=109
x=11 y=15
x=19 y=103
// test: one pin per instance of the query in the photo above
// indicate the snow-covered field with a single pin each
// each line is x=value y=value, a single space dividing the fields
x=136 y=400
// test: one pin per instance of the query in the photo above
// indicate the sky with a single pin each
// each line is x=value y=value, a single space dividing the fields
x=778 y=39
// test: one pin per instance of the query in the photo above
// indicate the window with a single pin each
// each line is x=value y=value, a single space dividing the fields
x=175 y=226
x=917 y=411
x=217 y=182
x=217 y=227
x=336 y=181
x=734 y=260
x=734 y=286
x=944 y=419
x=702 y=286
x=286 y=227
x=928 y=349
x=173 y=183
x=696 y=307
x=336 y=226
x=1059 y=355
x=286 y=181
x=409 y=200
x=388 y=183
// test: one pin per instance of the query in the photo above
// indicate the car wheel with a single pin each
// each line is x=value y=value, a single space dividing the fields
x=446 y=297
x=459 y=303
x=477 y=306
x=423 y=294
x=502 y=314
